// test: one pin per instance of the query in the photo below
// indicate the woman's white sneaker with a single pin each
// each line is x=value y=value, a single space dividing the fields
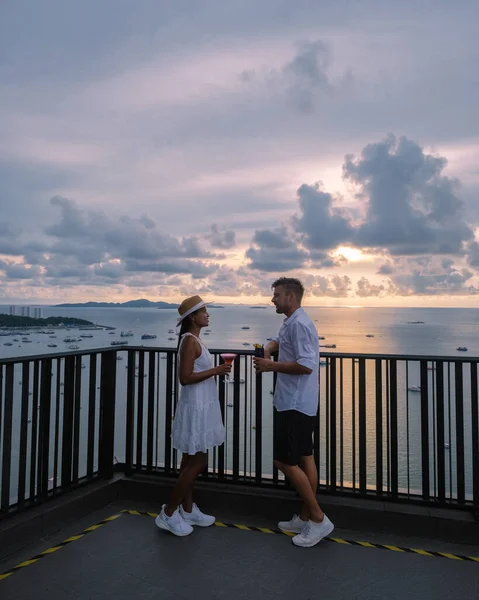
x=313 y=533
x=196 y=517
x=296 y=525
x=174 y=524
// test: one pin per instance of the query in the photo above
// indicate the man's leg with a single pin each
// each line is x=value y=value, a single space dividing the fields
x=302 y=485
x=308 y=465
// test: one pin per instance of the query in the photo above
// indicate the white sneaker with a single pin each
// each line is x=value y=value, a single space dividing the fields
x=313 y=533
x=196 y=517
x=296 y=525
x=175 y=524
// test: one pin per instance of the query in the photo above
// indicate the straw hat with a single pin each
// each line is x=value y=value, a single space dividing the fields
x=190 y=305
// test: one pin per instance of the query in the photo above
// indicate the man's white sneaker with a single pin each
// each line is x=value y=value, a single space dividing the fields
x=296 y=525
x=313 y=533
x=196 y=517
x=175 y=524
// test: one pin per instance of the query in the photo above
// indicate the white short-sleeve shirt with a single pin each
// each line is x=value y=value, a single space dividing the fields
x=298 y=342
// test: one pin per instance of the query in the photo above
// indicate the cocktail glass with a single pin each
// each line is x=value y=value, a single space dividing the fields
x=228 y=358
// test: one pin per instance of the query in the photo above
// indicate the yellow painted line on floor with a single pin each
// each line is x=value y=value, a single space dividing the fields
x=390 y=547
x=59 y=546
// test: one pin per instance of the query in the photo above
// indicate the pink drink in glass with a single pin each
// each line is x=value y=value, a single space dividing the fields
x=228 y=358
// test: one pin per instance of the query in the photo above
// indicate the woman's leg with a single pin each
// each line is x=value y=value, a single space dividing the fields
x=187 y=501
x=184 y=485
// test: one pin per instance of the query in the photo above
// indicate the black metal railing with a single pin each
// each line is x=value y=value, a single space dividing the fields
x=389 y=427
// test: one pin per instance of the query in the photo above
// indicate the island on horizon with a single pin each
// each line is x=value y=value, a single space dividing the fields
x=11 y=321
x=141 y=303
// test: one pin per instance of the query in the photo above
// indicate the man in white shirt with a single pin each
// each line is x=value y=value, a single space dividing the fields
x=296 y=404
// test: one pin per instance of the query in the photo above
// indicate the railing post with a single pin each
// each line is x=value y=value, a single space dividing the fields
x=7 y=439
x=107 y=414
x=362 y=427
x=44 y=428
x=425 y=431
x=332 y=425
x=393 y=415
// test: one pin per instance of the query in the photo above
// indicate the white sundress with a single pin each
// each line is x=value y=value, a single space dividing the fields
x=198 y=425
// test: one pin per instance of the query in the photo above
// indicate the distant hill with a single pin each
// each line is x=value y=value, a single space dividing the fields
x=142 y=303
x=17 y=321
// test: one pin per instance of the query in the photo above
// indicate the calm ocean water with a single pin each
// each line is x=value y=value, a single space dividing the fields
x=443 y=330
x=394 y=331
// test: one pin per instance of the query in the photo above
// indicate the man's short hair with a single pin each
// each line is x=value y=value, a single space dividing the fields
x=291 y=284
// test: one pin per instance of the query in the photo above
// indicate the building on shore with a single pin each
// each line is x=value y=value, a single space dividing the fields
x=17 y=310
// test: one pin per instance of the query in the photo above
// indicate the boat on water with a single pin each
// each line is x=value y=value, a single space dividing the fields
x=171 y=338
x=148 y=336
x=233 y=380
x=414 y=388
x=461 y=349
x=329 y=345
x=246 y=344
x=128 y=333
x=74 y=347
x=369 y=335
x=67 y=340
x=245 y=327
x=119 y=343
x=111 y=333
x=171 y=331
x=230 y=404
x=321 y=337
x=8 y=344
x=52 y=345
x=86 y=335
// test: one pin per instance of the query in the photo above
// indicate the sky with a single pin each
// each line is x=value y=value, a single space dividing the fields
x=159 y=149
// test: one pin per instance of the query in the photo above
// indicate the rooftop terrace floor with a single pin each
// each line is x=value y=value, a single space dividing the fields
x=128 y=557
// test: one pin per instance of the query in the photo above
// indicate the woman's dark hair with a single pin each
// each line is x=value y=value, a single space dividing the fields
x=185 y=327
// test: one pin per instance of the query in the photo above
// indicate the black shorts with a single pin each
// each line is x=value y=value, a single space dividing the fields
x=293 y=436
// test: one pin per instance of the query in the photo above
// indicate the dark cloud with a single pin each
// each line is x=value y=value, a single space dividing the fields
x=473 y=255
x=386 y=269
x=275 y=250
x=221 y=238
x=321 y=225
x=305 y=80
x=410 y=206
x=19 y=271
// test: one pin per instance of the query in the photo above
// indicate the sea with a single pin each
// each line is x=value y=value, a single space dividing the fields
x=411 y=331
x=414 y=332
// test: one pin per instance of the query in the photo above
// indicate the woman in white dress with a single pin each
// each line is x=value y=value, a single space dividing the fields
x=198 y=425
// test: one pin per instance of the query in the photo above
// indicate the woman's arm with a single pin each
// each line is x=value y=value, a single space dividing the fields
x=189 y=352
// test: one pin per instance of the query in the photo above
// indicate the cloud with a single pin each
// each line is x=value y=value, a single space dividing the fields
x=220 y=238
x=14 y=270
x=366 y=289
x=431 y=277
x=386 y=269
x=473 y=255
x=410 y=206
x=305 y=79
x=94 y=237
x=335 y=286
x=321 y=225
x=275 y=250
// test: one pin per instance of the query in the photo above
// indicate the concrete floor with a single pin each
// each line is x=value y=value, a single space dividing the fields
x=130 y=558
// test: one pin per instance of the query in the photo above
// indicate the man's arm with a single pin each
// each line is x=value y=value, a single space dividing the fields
x=270 y=348
x=266 y=365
